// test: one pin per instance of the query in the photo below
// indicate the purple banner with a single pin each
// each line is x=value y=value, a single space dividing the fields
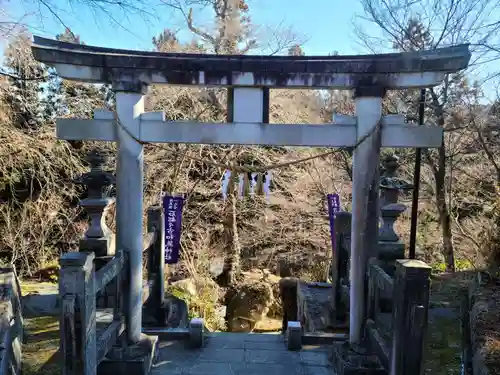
x=333 y=208
x=172 y=207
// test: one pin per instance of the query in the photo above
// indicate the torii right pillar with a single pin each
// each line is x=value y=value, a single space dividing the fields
x=368 y=102
x=369 y=91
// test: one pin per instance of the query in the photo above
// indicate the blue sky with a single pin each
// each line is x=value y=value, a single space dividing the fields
x=324 y=25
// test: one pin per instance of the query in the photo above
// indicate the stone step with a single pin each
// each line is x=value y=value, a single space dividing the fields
x=323 y=338
x=241 y=354
x=311 y=338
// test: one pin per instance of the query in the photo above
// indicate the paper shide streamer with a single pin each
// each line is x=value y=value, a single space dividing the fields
x=249 y=184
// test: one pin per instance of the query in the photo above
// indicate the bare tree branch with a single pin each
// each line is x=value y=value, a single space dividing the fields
x=115 y=11
x=271 y=40
x=448 y=21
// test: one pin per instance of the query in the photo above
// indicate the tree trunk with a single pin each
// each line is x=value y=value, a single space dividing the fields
x=443 y=212
x=439 y=172
x=494 y=260
x=232 y=248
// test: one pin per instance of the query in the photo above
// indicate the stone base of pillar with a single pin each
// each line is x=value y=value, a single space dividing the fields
x=389 y=252
x=155 y=317
x=293 y=336
x=102 y=246
x=135 y=359
x=347 y=360
x=196 y=330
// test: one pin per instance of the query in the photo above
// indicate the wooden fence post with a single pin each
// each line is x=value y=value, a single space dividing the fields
x=118 y=290
x=409 y=316
x=11 y=321
x=156 y=263
x=372 y=293
x=340 y=262
x=78 y=315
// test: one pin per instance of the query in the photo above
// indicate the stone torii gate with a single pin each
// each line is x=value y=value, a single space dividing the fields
x=249 y=78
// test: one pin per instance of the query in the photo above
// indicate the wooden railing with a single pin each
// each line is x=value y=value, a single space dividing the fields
x=83 y=346
x=11 y=322
x=398 y=337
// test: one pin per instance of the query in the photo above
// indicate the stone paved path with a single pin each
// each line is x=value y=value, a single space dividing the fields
x=241 y=354
x=444 y=338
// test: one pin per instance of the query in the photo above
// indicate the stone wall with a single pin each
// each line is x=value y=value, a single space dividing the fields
x=315 y=306
x=484 y=331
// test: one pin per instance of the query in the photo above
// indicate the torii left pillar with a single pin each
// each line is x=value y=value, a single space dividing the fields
x=129 y=200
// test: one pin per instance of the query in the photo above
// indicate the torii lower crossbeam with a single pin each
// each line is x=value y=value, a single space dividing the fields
x=152 y=127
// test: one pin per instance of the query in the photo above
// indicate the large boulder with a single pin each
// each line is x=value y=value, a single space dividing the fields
x=265 y=276
x=247 y=302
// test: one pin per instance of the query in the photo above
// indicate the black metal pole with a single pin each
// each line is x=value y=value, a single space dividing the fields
x=416 y=182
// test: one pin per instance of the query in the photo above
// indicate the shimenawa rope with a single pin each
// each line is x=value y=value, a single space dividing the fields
x=248 y=168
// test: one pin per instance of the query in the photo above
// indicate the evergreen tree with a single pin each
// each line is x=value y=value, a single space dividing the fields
x=80 y=99
x=69 y=36
x=27 y=79
x=296 y=50
x=167 y=41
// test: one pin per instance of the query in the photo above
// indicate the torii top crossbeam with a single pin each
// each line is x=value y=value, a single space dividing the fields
x=107 y=65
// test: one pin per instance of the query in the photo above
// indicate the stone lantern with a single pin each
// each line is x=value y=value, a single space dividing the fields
x=391 y=186
x=98 y=237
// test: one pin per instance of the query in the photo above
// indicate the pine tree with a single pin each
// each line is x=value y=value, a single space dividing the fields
x=26 y=77
x=296 y=50
x=167 y=41
x=80 y=99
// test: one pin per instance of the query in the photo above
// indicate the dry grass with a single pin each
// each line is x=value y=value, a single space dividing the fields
x=40 y=351
x=203 y=304
x=37 y=214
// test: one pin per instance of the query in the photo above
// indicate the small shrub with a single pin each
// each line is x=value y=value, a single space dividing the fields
x=203 y=304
